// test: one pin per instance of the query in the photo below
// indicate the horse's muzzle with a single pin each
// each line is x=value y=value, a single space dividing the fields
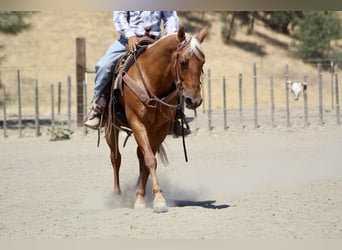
x=191 y=103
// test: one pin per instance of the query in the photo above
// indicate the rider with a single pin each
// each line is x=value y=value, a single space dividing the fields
x=131 y=25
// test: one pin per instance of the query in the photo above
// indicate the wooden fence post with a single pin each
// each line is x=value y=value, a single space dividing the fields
x=80 y=73
x=5 y=113
x=36 y=108
x=209 y=101
x=255 y=97
x=320 y=93
x=272 y=101
x=305 y=97
x=52 y=111
x=59 y=98
x=19 y=105
x=332 y=83
x=85 y=130
x=225 y=126
x=69 y=101
x=337 y=97
x=240 y=99
x=288 y=124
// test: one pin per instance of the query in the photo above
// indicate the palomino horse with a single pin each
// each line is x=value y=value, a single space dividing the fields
x=168 y=68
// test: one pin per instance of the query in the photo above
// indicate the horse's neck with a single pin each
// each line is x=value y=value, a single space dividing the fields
x=161 y=56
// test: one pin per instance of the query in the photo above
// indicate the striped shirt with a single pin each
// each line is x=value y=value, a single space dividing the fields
x=134 y=23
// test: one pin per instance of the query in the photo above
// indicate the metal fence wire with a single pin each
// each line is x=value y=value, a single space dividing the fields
x=230 y=102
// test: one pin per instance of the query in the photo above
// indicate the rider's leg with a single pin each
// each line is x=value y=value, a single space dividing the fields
x=104 y=74
x=176 y=126
x=177 y=129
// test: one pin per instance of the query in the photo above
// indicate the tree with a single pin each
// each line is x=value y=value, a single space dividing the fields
x=282 y=21
x=315 y=32
x=13 y=22
x=228 y=31
x=229 y=27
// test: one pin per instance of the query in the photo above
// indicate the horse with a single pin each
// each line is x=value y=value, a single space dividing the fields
x=169 y=68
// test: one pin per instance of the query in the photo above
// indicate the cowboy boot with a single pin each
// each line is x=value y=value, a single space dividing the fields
x=94 y=119
x=178 y=129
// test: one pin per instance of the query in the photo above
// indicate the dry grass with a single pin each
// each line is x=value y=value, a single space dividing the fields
x=47 y=53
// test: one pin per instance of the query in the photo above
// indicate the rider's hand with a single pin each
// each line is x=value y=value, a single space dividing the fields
x=132 y=43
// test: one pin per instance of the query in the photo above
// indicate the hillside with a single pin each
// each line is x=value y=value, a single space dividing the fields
x=47 y=52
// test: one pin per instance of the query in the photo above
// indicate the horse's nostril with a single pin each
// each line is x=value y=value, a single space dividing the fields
x=188 y=101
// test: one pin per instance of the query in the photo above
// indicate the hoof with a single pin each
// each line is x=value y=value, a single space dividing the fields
x=139 y=205
x=139 y=202
x=160 y=207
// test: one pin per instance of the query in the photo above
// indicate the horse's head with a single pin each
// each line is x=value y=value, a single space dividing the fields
x=189 y=65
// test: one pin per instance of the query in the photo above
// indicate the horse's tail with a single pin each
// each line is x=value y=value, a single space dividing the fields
x=163 y=155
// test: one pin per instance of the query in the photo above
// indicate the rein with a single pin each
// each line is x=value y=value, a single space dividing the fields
x=153 y=97
x=145 y=94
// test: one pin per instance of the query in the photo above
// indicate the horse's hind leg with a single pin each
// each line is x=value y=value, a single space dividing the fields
x=115 y=156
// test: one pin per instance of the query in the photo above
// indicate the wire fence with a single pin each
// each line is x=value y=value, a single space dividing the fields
x=231 y=102
x=257 y=101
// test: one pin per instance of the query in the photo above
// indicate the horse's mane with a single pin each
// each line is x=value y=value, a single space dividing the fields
x=194 y=48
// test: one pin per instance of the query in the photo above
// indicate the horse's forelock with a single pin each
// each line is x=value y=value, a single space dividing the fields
x=196 y=48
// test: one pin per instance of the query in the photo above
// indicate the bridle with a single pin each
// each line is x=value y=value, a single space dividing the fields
x=184 y=45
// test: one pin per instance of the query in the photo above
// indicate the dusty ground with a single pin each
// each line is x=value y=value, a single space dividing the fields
x=273 y=184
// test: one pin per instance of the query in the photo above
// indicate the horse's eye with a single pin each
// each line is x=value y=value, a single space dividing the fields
x=184 y=64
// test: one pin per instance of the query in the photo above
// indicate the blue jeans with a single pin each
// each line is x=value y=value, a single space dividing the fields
x=104 y=67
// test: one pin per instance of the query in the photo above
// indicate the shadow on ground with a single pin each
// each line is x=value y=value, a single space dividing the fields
x=210 y=204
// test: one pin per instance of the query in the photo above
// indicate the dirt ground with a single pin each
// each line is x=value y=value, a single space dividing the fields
x=256 y=184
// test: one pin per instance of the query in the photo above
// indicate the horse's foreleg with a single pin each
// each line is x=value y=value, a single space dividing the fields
x=159 y=203
x=148 y=164
x=143 y=176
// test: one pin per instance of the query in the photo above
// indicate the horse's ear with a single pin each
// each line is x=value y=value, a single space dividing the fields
x=181 y=34
x=202 y=34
